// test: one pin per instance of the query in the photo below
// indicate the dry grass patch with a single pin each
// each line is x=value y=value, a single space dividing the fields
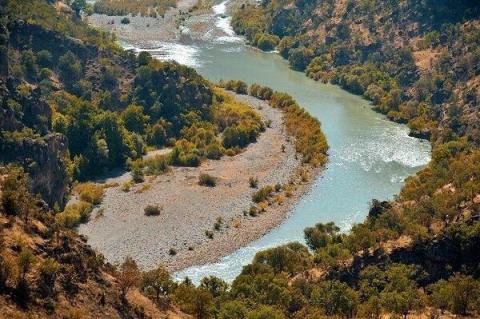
x=90 y=192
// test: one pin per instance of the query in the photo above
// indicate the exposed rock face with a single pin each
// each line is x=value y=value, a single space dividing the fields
x=42 y=154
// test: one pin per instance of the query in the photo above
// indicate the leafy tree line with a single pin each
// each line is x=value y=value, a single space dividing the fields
x=310 y=141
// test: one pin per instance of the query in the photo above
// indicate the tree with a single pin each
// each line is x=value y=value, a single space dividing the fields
x=401 y=294
x=265 y=312
x=372 y=309
x=78 y=6
x=321 y=235
x=15 y=197
x=70 y=69
x=193 y=300
x=336 y=298
x=159 y=281
x=291 y=258
x=300 y=57
x=134 y=118
x=440 y=294
x=128 y=275
x=203 y=304
x=44 y=58
x=144 y=58
x=459 y=294
x=215 y=286
x=25 y=261
x=232 y=310
x=29 y=65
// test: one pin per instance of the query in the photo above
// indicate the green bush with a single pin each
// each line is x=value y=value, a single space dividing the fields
x=300 y=57
x=74 y=214
x=207 y=180
x=267 y=42
x=253 y=182
x=262 y=194
x=152 y=210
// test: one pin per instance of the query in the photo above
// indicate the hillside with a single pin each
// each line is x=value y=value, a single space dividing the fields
x=418 y=64
x=416 y=61
x=74 y=106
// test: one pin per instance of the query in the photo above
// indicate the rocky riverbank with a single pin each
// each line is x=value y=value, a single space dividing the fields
x=145 y=29
x=178 y=236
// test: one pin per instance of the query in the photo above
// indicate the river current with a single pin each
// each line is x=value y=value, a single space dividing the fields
x=369 y=156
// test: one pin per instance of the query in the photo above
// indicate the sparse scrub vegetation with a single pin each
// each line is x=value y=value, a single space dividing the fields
x=253 y=182
x=263 y=194
x=207 y=180
x=153 y=210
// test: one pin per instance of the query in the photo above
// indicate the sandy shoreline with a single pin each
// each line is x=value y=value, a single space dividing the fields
x=189 y=209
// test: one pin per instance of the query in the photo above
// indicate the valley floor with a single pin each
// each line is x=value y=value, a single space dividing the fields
x=119 y=228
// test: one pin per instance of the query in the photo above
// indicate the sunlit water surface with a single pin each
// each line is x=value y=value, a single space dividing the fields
x=369 y=156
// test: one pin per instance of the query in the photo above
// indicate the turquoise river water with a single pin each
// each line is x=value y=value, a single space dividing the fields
x=369 y=156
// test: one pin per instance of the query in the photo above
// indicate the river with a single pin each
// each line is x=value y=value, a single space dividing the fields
x=369 y=156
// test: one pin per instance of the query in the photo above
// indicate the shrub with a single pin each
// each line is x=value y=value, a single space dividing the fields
x=237 y=86
x=253 y=211
x=300 y=57
x=209 y=234
x=207 y=180
x=218 y=223
x=125 y=20
x=267 y=42
x=156 y=165
x=262 y=194
x=126 y=186
x=172 y=251
x=152 y=210
x=44 y=58
x=253 y=182
x=137 y=174
x=74 y=214
x=90 y=192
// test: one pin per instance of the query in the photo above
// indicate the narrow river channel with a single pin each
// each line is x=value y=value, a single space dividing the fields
x=369 y=156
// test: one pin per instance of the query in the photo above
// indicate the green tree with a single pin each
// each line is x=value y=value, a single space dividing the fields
x=214 y=285
x=144 y=58
x=70 y=69
x=321 y=235
x=300 y=57
x=401 y=294
x=44 y=58
x=134 y=118
x=459 y=294
x=336 y=298
x=265 y=312
x=29 y=64
x=232 y=310
x=158 y=281
x=78 y=6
